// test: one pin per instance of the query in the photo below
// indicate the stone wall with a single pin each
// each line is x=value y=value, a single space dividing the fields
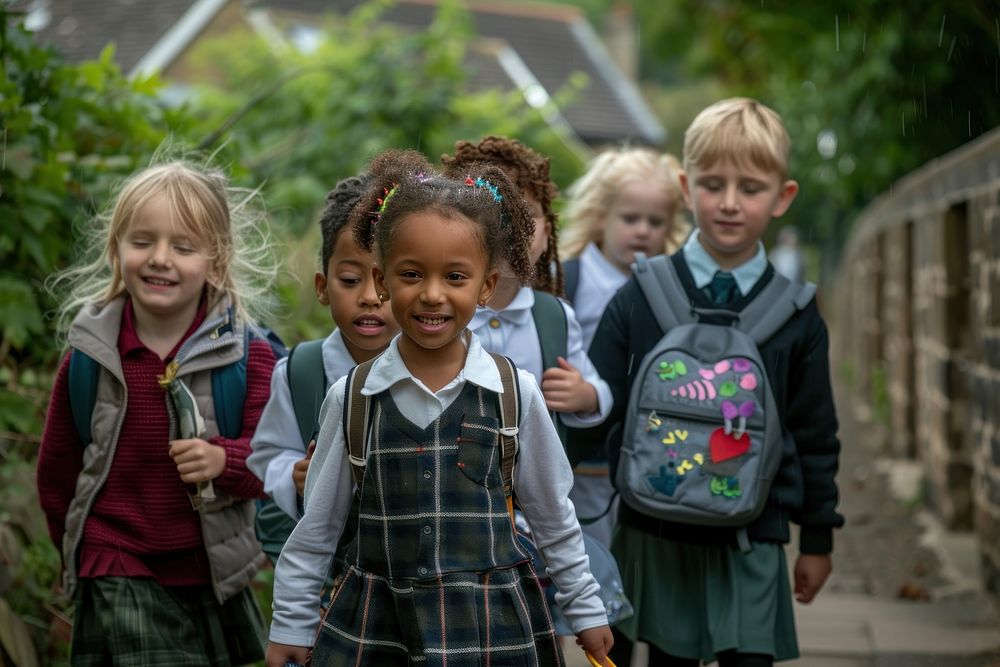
x=919 y=329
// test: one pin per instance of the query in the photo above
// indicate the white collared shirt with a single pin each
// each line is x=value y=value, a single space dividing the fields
x=599 y=281
x=703 y=267
x=511 y=331
x=542 y=478
x=277 y=444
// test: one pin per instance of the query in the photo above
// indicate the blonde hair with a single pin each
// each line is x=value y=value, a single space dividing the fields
x=594 y=193
x=739 y=129
x=228 y=222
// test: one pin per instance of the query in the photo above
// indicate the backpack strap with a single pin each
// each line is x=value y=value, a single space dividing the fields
x=229 y=391
x=510 y=417
x=307 y=385
x=356 y=412
x=83 y=376
x=660 y=284
x=552 y=327
x=773 y=306
x=571 y=277
x=553 y=339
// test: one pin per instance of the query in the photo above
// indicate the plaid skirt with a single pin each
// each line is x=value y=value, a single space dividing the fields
x=133 y=622
x=497 y=618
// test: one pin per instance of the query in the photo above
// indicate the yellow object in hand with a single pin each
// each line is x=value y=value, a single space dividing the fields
x=593 y=661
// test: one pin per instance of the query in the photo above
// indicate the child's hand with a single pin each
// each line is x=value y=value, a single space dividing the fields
x=597 y=642
x=565 y=390
x=279 y=655
x=197 y=460
x=301 y=467
x=811 y=571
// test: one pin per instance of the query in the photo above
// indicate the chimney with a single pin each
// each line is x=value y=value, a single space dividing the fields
x=621 y=38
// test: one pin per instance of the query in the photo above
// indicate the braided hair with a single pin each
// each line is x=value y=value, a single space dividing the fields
x=404 y=183
x=334 y=218
x=529 y=172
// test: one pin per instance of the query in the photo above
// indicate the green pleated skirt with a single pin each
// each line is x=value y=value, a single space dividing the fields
x=693 y=601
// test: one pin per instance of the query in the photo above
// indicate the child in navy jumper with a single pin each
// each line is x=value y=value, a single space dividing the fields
x=435 y=574
x=724 y=604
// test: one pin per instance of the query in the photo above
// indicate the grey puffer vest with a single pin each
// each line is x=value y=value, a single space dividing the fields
x=227 y=528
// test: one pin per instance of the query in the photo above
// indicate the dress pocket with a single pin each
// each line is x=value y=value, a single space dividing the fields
x=479 y=450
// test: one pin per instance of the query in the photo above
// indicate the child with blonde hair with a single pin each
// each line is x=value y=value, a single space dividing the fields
x=424 y=439
x=629 y=200
x=142 y=466
x=723 y=585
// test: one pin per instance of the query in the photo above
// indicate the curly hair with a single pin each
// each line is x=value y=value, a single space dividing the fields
x=530 y=173
x=336 y=214
x=229 y=221
x=593 y=194
x=404 y=183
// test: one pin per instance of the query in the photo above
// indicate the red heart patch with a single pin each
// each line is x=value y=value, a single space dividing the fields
x=723 y=446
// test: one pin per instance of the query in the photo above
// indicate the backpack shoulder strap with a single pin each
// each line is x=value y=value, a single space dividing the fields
x=571 y=277
x=229 y=391
x=552 y=327
x=83 y=375
x=510 y=417
x=307 y=384
x=356 y=409
x=553 y=339
x=660 y=284
x=773 y=306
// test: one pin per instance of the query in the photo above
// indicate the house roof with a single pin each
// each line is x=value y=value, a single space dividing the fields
x=552 y=41
x=545 y=46
x=147 y=35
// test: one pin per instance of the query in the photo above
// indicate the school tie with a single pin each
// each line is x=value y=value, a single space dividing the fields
x=722 y=289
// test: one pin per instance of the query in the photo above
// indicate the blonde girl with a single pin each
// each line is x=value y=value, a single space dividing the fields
x=177 y=271
x=628 y=201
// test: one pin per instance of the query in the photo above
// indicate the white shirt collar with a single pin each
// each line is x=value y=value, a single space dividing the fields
x=516 y=312
x=703 y=267
x=596 y=260
x=389 y=369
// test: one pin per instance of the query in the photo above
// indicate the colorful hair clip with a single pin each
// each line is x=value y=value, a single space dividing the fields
x=383 y=202
x=481 y=182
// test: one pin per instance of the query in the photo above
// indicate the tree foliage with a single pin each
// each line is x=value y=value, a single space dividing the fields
x=69 y=132
x=295 y=121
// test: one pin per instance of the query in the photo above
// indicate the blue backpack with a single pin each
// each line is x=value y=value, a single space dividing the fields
x=229 y=388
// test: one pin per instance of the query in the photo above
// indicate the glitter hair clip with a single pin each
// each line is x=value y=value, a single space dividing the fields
x=382 y=202
x=481 y=182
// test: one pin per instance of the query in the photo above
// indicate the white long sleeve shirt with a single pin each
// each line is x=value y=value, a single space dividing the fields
x=542 y=479
x=599 y=281
x=511 y=331
x=277 y=444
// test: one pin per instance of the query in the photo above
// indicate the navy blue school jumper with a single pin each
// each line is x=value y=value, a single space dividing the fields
x=421 y=589
x=804 y=490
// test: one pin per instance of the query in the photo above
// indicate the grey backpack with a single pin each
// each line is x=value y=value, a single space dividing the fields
x=702 y=439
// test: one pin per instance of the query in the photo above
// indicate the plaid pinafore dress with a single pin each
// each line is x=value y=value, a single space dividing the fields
x=436 y=575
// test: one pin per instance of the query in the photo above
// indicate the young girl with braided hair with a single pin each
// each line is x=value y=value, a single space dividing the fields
x=435 y=573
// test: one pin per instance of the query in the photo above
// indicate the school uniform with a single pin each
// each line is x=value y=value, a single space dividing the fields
x=277 y=444
x=511 y=331
x=724 y=599
x=436 y=574
x=599 y=280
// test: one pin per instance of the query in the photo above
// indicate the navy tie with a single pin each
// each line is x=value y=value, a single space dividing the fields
x=722 y=289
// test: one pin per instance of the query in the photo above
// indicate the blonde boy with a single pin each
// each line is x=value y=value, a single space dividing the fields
x=725 y=604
